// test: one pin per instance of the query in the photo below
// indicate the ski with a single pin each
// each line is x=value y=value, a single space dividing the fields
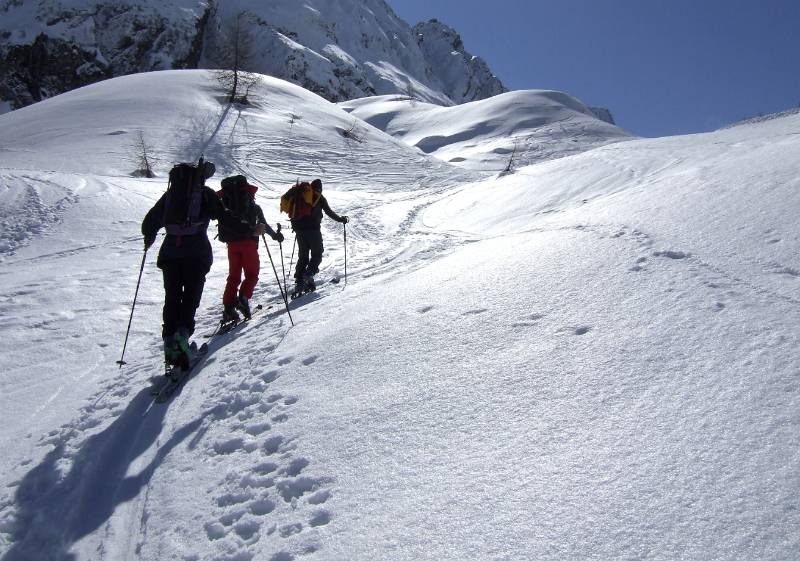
x=224 y=327
x=297 y=293
x=175 y=376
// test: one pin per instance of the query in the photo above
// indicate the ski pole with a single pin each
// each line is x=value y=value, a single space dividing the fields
x=121 y=360
x=345 y=252
x=283 y=269
x=278 y=280
x=294 y=244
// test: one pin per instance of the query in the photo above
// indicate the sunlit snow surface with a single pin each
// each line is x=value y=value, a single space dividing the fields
x=594 y=357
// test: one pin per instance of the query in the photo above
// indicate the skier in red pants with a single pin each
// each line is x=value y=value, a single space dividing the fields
x=241 y=236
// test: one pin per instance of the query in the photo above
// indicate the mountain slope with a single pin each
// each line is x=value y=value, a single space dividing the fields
x=340 y=50
x=592 y=358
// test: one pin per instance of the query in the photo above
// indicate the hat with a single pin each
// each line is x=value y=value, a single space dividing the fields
x=208 y=169
x=317 y=184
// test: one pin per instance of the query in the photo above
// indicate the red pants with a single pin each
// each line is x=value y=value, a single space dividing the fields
x=242 y=255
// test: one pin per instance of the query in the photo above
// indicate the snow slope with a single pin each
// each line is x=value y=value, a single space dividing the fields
x=525 y=127
x=592 y=358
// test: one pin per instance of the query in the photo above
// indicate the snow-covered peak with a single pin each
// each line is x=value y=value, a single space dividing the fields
x=340 y=50
x=465 y=77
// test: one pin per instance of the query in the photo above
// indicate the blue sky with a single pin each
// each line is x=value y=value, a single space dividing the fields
x=663 y=67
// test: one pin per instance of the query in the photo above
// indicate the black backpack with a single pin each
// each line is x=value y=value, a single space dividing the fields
x=185 y=197
x=237 y=199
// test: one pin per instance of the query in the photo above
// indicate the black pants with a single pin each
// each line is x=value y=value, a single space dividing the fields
x=308 y=242
x=183 y=288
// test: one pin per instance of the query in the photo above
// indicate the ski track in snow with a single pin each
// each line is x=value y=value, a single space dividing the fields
x=114 y=447
x=94 y=487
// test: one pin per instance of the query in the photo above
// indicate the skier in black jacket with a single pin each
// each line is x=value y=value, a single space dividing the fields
x=309 y=240
x=185 y=258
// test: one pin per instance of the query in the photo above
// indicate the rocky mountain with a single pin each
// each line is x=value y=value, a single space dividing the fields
x=340 y=49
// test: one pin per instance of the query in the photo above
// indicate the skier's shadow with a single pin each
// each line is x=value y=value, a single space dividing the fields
x=55 y=510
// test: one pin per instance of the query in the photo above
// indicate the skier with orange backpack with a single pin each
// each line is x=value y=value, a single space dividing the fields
x=304 y=203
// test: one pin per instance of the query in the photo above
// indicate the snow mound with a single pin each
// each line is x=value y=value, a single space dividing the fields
x=520 y=127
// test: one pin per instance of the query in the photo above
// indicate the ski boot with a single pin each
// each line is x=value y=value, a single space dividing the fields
x=229 y=315
x=176 y=352
x=310 y=285
x=243 y=305
x=298 y=288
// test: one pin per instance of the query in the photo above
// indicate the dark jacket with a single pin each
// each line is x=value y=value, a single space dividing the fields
x=233 y=228
x=314 y=221
x=192 y=247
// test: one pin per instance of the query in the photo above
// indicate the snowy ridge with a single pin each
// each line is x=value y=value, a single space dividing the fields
x=521 y=127
x=591 y=358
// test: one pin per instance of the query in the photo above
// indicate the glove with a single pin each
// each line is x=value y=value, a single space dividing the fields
x=344 y=219
x=148 y=241
x=260 y=229
x=278 y=237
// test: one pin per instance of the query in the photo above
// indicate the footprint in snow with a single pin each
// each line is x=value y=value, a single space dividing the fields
x=261 y=507
x=295 y=467
x=296 y=488
x=475 y=312
x=285 y=360
x=215 y=531
x=579 y=330
x=639 y=264
x=320 y=497
x=227 y=447
x=424 y=309
x=310 y=360
x=273 y=445
x=290 y=530
x=671 y=254
x=247 y=529
x=320 y=518
x=529 y=320
x=257 y=429
x=270 y=376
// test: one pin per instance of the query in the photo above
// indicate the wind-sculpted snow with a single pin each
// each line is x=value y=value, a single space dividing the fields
x=506 y=132
x=593 y=357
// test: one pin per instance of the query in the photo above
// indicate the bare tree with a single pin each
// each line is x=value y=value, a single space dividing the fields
x=235 y=52
x=410 y=91
x=142 y=154
x=510 y=167
x=353 y=133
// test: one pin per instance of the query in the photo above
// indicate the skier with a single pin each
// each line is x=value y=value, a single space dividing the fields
x=241 y=236
x=306 y=223
x=185 y=257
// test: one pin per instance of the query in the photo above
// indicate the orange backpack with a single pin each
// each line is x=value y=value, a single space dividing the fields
x=299 y=201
